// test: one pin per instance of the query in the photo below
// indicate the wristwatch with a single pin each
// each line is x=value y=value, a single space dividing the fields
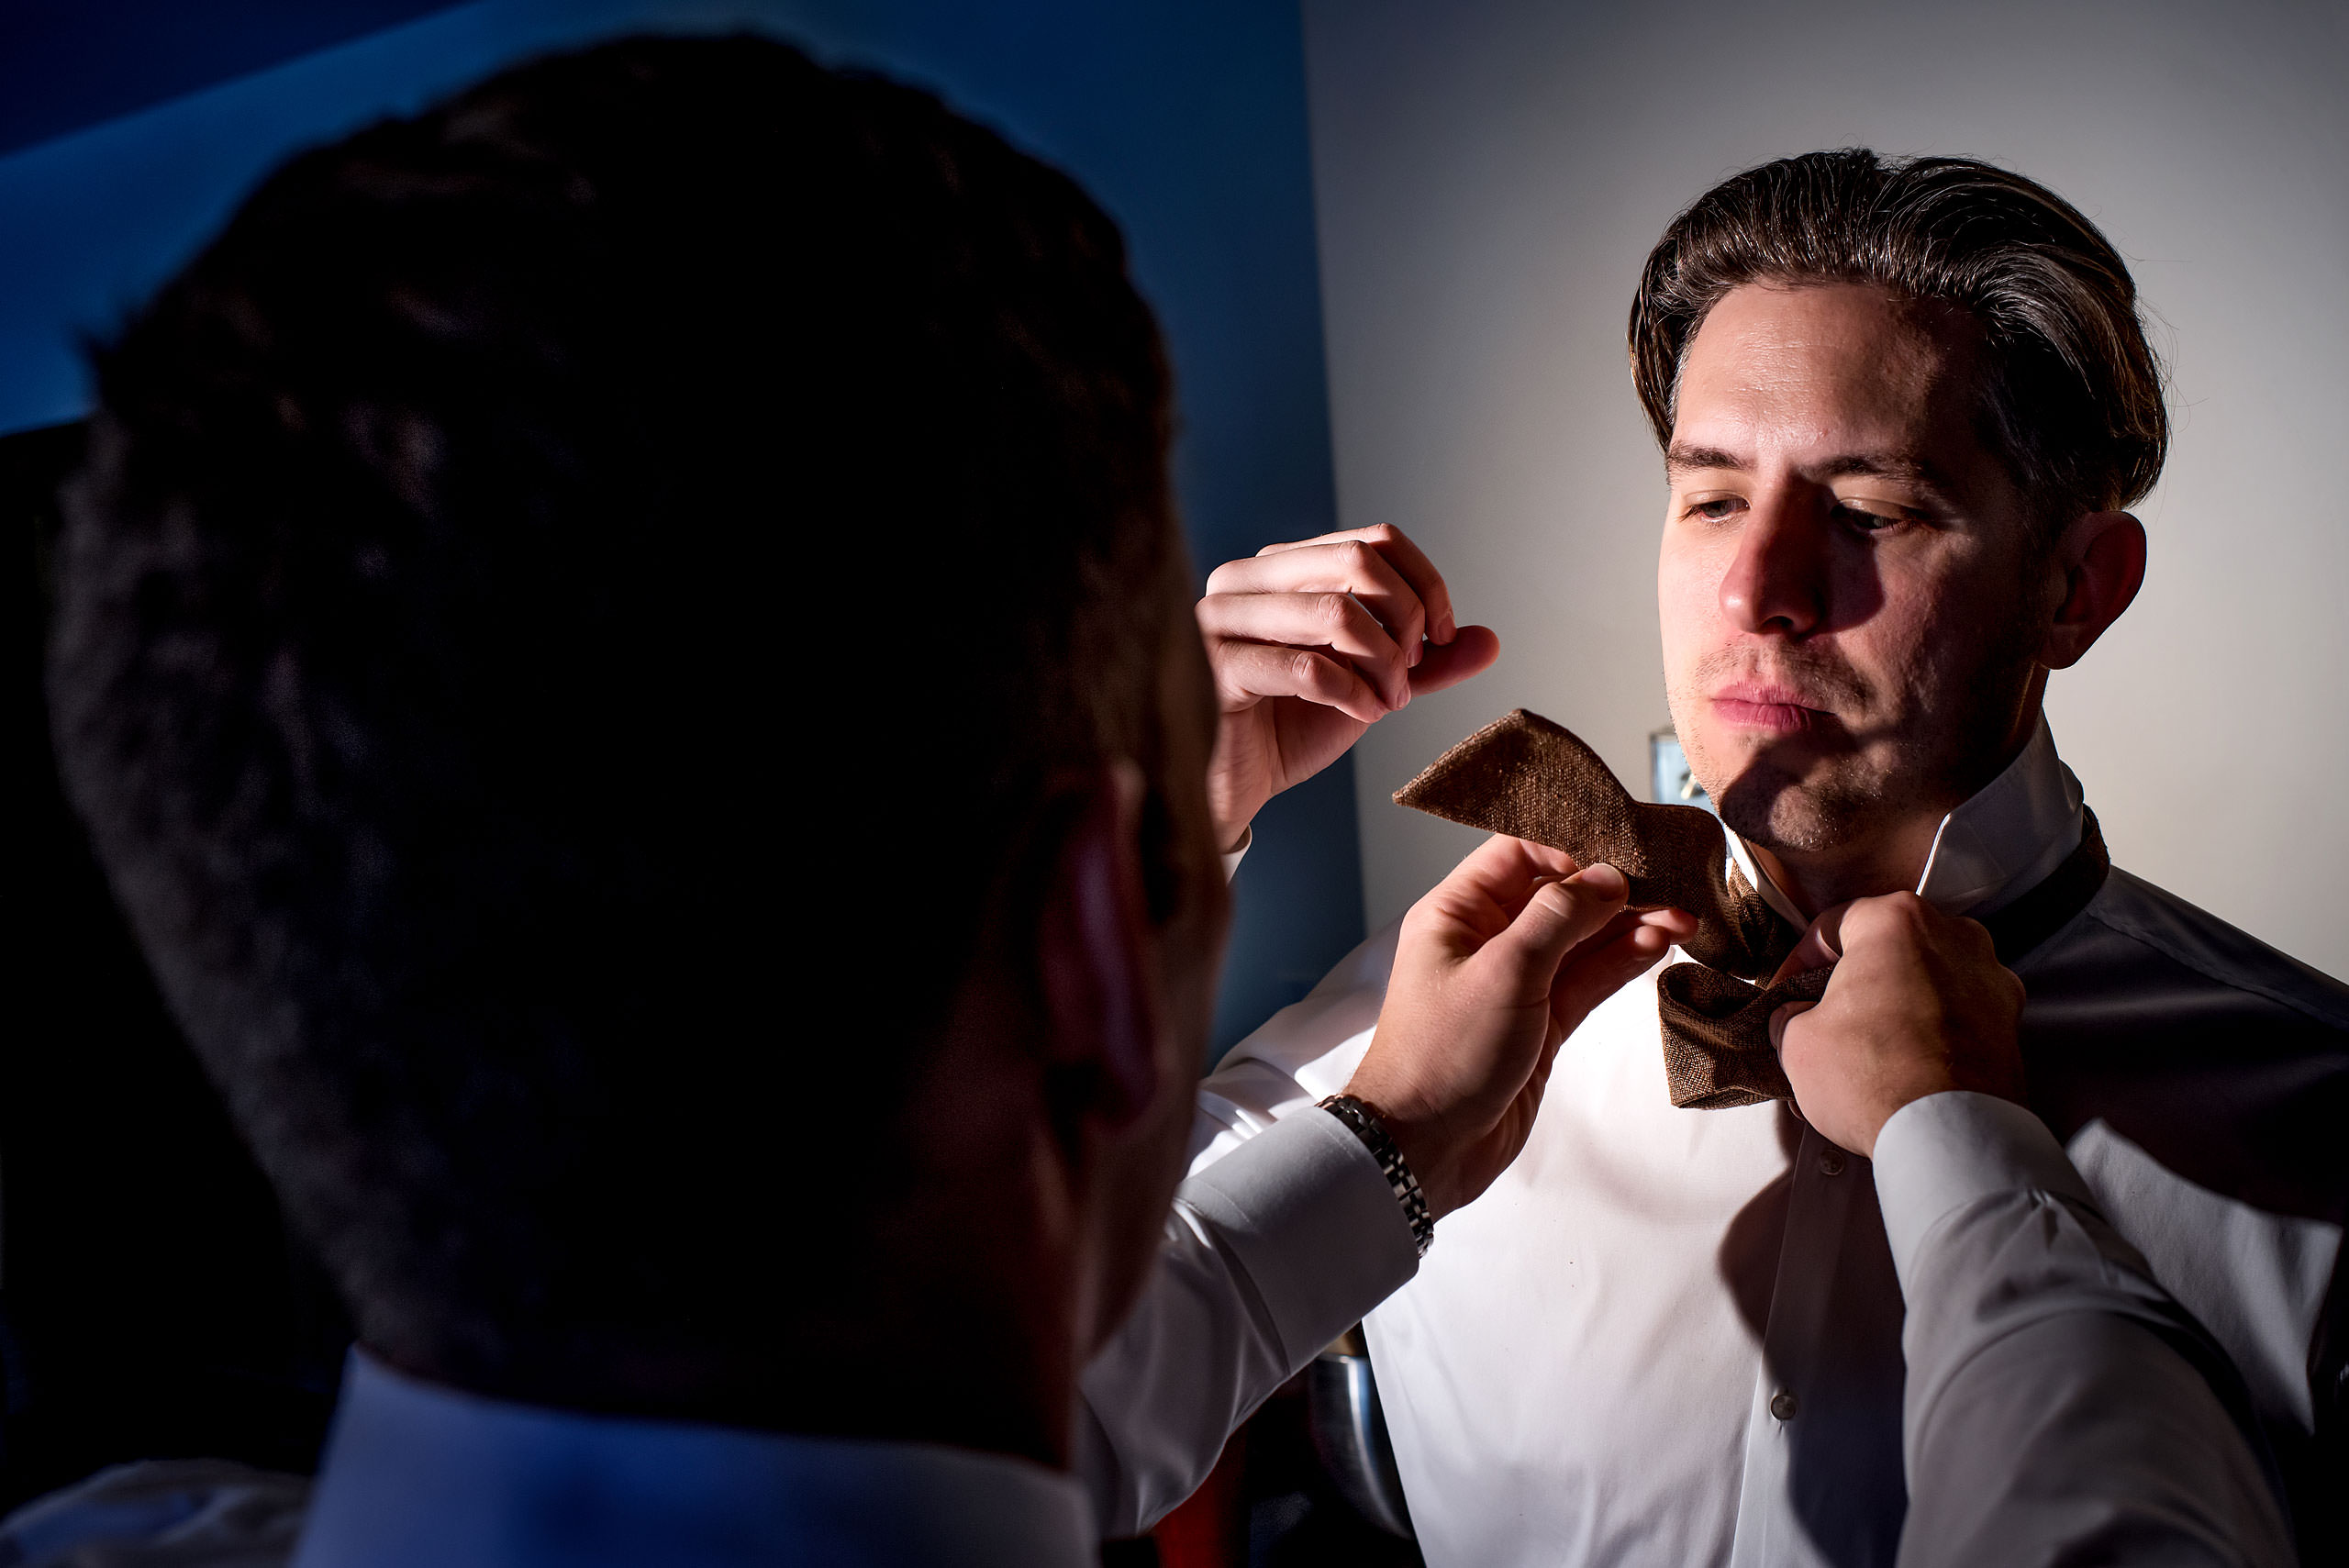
x=1365 y=1125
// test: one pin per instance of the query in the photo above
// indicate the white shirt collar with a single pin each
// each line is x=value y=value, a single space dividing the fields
x=416 y=1472
x=2002 y=842
x=2009 y=837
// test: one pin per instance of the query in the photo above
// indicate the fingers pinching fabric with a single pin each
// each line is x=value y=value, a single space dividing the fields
x=1531 y=779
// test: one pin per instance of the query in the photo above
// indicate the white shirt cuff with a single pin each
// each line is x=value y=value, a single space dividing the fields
x=1938 y=1154
x=1311 y=1217
x=1238 y=851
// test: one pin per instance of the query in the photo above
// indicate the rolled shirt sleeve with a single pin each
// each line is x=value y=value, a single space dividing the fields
x=1271 y=1253
x=2060 y=1406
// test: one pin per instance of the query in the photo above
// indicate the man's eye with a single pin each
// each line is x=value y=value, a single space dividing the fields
x=1867 y=521
x=1718 y=510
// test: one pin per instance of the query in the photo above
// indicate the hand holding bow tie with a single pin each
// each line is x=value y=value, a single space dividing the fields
x=1528 y=777
x=1525 y=776
x=1916 y=1004
x=1493 y=968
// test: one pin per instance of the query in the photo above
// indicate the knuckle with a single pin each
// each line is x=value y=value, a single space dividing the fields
x=1907 y=913
x=1867 y=916
x=1333 y=612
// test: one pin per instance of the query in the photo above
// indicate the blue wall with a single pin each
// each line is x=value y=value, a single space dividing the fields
x=69 y=63
x=1186 y=120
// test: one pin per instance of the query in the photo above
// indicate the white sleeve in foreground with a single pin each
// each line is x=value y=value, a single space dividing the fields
x=2061 y=1407
x=1238 y=852
x=1271 y=1253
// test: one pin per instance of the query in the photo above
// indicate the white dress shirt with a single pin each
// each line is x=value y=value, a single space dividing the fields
x=417 y=1474
x=423 y=1476
x=1268 y=1256
x=1676 y=1336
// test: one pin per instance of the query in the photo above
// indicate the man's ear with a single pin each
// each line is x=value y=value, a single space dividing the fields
x=2103 y=558
x=1096 y=953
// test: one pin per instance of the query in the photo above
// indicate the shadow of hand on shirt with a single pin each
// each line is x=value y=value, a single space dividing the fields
x=1810 y=1271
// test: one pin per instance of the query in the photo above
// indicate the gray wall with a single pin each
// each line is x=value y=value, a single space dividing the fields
x=1489 y=177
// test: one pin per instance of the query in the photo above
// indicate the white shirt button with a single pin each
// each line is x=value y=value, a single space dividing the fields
x=1783 y=1405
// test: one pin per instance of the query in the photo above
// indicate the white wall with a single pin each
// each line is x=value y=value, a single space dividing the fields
x=1490 y=177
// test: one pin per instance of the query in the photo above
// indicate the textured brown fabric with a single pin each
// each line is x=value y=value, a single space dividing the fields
x=1531 y=779
x=1716 y=1050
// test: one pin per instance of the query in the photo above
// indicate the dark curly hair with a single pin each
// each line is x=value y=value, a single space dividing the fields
x=557 y=577
x=2073 y=394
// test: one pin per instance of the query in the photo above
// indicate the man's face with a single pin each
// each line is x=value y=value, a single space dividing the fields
x=1849 y=610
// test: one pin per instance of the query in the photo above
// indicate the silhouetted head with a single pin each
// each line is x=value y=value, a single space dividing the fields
x=600 y=615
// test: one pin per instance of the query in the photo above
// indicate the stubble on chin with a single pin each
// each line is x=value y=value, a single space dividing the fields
x=1850 y=793
x=1838 y=798
x=1848 y=801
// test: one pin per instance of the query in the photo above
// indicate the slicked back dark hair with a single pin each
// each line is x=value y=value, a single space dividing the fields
x=2073 y=400
x=575 y=592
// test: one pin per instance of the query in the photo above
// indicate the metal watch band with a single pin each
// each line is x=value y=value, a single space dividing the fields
x=1367 y=1126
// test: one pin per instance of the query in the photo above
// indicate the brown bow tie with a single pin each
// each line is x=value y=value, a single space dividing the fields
x=1527 y=777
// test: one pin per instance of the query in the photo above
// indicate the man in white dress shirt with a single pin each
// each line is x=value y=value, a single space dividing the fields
x=1902 y=408
x=414 y=667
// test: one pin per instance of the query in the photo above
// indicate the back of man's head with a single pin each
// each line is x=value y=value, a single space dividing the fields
x=559 y=577
x=2072 y=398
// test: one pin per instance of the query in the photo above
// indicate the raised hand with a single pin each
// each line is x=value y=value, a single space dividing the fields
x=1918 y=1004
x=1312 y=644
x=1495 y=967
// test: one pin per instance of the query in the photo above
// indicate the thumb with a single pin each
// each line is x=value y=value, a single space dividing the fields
x=1782 y=1018
x=1559 y=915
x=1820 y=947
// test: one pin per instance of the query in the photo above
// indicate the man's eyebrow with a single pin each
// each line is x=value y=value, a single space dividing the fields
x=1883 y=465
x=1681 y=458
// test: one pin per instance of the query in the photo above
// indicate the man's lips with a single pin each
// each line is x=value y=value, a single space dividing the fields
x=1781 y=710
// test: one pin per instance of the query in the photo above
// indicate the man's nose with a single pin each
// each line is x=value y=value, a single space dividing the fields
x=1778 y=583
